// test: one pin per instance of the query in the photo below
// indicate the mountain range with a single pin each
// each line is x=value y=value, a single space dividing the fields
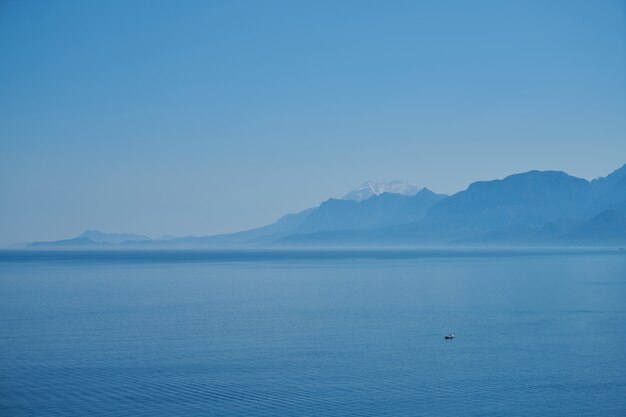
x=372 y=188
x=544 y=208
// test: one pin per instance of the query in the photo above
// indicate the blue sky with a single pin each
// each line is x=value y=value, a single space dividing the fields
x=200 y=117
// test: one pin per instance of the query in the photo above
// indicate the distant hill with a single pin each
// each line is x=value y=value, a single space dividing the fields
x=93 y=238
x=265 y=234
x=114 y=238
x=77 y=242
x=609 y=226
x=610 y=191
x=532 y=198
x=378 y=211
x=531 y=208
x=375 y=212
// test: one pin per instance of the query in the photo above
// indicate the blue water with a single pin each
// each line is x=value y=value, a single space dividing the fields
x=313 y=333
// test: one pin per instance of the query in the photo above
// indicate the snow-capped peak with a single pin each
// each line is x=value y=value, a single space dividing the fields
x=370 y=188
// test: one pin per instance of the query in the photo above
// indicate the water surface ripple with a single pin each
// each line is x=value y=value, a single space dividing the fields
x=345 y=333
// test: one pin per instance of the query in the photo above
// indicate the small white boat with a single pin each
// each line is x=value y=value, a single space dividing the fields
x=449 y=337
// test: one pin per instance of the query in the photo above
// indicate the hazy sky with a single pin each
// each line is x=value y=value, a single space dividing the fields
x=183 y=117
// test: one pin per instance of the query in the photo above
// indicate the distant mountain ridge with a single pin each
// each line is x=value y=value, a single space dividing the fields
x=373 y=188
x=95 y=238
x=532 y=199
x=114 y=238
x=531 y=208
x=374 y=212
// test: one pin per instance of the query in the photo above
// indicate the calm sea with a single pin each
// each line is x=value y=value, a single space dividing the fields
x=313 y=333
